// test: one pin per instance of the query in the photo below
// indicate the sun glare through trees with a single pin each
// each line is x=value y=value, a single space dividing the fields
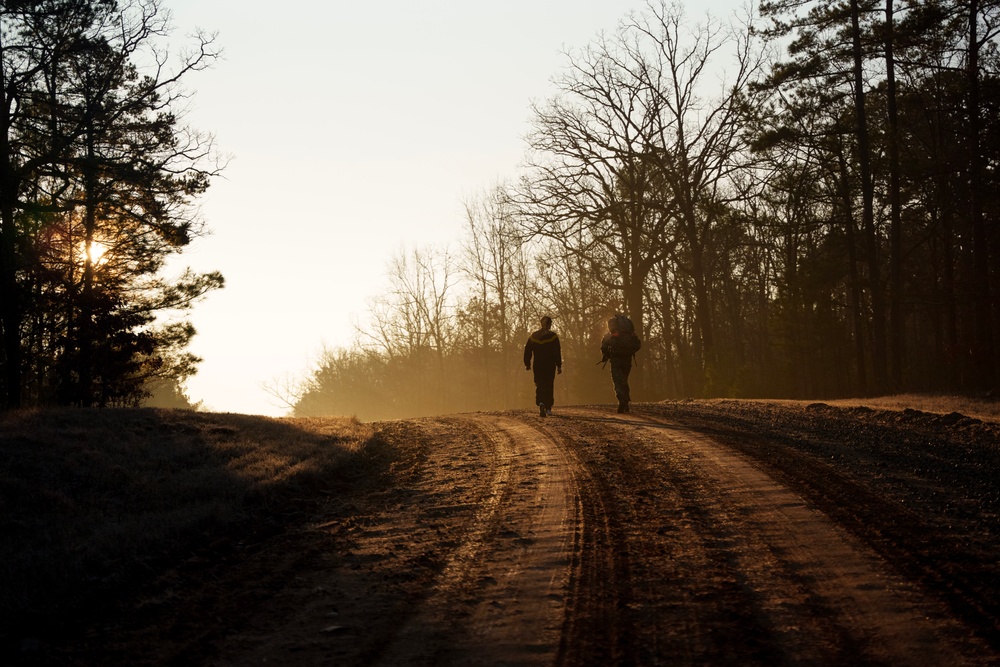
x=95 y=156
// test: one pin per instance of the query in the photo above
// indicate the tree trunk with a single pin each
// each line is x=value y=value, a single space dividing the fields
x=11 y=314
x=10 y=305
x=703 y=310
x=857 y=316
x=896 y=341
x=868 y=206
x=86 y=335
x=982 y=308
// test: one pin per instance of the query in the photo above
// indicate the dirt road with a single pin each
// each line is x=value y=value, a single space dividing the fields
x=590 y=538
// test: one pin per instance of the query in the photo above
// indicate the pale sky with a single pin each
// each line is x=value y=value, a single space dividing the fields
x=356 y=128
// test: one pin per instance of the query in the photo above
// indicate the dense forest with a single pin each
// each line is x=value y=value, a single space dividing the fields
x=97 y=178
x=797 y=204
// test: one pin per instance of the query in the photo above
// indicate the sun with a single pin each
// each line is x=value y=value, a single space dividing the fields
x=97 y=253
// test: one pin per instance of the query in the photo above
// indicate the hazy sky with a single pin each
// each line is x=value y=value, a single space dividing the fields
x=356 y=129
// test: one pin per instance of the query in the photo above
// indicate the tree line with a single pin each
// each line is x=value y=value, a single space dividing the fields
x=799 y=204
x=98 y=175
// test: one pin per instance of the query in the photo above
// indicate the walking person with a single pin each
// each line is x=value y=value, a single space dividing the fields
x=543 y=348
x=619 y=346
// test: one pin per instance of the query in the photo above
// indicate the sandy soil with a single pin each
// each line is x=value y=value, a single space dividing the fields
x=729 y=533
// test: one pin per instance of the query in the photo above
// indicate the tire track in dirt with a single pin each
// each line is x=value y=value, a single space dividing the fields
x=524 y=617
x=595 y=631
x=761 y=577
x=642 y=587
x=506 y=582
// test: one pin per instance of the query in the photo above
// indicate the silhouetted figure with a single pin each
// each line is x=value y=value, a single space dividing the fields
x=543 y=345
x=619 y=346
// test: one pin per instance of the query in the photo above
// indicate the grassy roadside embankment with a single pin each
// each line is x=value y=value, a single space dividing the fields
x=978 y=408
x=93 y=502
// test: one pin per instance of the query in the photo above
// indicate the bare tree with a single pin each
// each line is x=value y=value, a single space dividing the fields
x=580 y=303
x=701 y=136
x=632 y=159
x=412 y=324
x=494 y=262
x=594 y=183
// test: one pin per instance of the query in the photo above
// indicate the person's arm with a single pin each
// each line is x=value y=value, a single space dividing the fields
x=527 y=355
x=558 y=355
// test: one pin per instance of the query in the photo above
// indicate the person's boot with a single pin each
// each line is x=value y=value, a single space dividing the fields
x=541 y=409
x=622 y=407
x=626 y=406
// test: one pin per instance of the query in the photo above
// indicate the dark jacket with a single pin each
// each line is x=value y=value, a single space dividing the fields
x=543 y=345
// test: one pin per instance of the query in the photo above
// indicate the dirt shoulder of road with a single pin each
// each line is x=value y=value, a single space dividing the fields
x=920 y=488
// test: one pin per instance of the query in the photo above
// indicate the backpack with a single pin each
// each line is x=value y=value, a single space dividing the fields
x=623 y=342
x=621 y=324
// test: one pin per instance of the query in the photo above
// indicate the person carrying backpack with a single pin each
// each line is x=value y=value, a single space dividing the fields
x=619 y=346
x=543 y=346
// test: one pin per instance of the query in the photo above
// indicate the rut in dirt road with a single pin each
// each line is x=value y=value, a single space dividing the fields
x=511 y=569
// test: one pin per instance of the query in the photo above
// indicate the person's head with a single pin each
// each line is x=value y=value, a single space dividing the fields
x=546 y=322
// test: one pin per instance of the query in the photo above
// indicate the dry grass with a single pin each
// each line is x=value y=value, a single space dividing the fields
x=978 y=408
x=986 y=410
x=93 y=499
